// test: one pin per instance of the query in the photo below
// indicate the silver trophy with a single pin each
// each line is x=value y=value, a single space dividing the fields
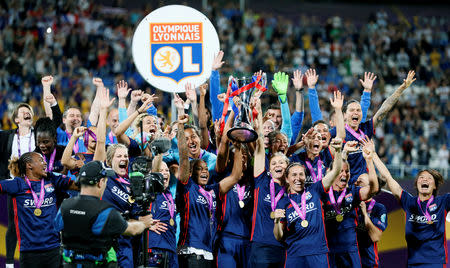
x=242 y=130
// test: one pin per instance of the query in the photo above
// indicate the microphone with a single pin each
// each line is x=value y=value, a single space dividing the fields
x=160 y=145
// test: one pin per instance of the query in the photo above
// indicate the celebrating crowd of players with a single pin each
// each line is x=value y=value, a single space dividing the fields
x=293 y=198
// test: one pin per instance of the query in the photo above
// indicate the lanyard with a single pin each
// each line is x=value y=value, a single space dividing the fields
x=315 y=177
x=301 y=212
x=336 y=205
x=52 y=161
x=76 y=146
x=359 y=136
x=170 y=204
x=111 y=137
x=426 y=213
x=37 y=201
x=274 y=199
x=208 y=197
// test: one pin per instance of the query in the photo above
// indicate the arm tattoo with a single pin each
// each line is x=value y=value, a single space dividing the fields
x=385 y=108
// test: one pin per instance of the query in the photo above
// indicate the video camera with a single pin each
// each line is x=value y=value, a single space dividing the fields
x=144 y=184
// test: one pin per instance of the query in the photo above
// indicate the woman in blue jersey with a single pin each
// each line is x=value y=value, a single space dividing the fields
x=33 y=192
x=197 y=204
x=266 y=251
x=425 y=216
x=342 y=200
x=299 y=219
x=46 y=144
x=162 y=247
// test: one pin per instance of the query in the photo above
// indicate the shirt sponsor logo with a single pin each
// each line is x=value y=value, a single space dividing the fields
x=164 y=206
x=420 y=218
x=294 y=215
x=29 y=203
x=331 y=213
x=121 y=194
x=202 y=200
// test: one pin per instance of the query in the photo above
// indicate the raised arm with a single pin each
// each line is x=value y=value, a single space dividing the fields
x=184 y=170
x=314 y=107
x=236 y=174
x=46 y=88
x=214 y=90
x=337 y=103
x=259 y=161
x=389 y=103
x=368 y=151
x=367 y=84
x=280 y=84
x=202 y=119
x=385 y=175
x=95 y=107
x=224 y=145
x=191 y=95
x=297 y=116
x=123 y=126
x=372 y=230
x=104 y=103
x=179 y=104
x=331 y=175
x=66 y=160
x=136 y=96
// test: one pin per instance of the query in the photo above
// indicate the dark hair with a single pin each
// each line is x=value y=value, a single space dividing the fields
x=350 y=102
x=194 y=128
x=319 y=122
x=45 y=124
x=68 y=108
x=274 y=107
x=18 y=166
x=438 y=179
x=273 y=135
x=16 y=110
x=291 y=165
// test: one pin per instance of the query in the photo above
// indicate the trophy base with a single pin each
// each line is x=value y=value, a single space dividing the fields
x=242 y=134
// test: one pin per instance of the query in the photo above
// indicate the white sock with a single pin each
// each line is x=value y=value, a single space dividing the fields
x=9 y=265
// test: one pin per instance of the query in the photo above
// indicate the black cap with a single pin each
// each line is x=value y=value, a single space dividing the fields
x=92 y=172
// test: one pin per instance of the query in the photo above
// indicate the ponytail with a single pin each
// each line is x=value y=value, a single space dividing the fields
x=18 y=166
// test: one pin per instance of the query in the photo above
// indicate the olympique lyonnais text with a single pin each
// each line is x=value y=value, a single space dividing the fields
x=185 y=32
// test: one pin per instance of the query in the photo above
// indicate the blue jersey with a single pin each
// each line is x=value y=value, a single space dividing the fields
x=117 y=193
x=311 y=240
x=198 y=228
x=426 y=242
x=35 y=232
x=210 y=158
x=356 y=159
x=341 y=236
x=367 y=248
x=111 y=138
x=232 y=218
x=160 y=211
x=62 y=138
x=326 y=158
x=262 y=224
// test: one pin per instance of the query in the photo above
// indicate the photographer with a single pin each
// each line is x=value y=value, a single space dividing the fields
x=90 y=225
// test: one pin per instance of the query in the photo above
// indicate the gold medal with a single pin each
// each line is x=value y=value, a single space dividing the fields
x=272 y=215
x=130 y=200
x=429 y=222
x=339 y=217
x=304 y=223
x=241 y=203
x=38 y=212
x=172 y=222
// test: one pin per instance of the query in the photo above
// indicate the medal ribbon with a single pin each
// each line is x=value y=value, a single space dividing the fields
x=171 y=204
x=426 y=213
x=208 y=197
x=274 y=199
x=301 y=212
x=88 y=133
x=122 y=180
x=240 y=191
x=51 y=162
x=76 y=146
x=370 y=207
x=111 y=137
x=359 y=136
x=336 y=205
x=315 y=177
x=37 y=202
x=18 y=143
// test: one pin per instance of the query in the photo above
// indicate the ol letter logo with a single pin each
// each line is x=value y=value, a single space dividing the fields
x=176 y=49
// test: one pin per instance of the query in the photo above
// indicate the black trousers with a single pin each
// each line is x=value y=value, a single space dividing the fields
x=11 y=236
x=88 y=264
x=194 y=261
x=40 y=259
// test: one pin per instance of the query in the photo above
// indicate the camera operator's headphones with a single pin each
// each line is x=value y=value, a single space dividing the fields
x=92 y=172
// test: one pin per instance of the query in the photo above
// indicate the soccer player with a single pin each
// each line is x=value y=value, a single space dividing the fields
x=425 y=217
x=299 y=219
